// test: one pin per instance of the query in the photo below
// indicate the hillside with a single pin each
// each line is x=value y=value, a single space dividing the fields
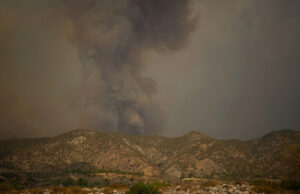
x=191 y=155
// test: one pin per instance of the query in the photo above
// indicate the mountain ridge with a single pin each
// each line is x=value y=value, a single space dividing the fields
x=191 y=155
x=280 y=131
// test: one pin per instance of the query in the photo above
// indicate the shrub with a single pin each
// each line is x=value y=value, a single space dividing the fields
x=100 y=183
x=141 y=188
x=290 y=184
x=6 y=187
x=82 y=182
x=68 y=182
x=105 y=182
x=10 y=175
x=182 y=176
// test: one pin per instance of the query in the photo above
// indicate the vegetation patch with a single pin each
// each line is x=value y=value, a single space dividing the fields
x=290 y=184
x=141 y=188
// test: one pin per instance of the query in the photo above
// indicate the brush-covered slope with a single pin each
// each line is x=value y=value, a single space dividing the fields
x=194 y=154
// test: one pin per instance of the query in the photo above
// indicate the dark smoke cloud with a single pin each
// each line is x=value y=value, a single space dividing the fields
x=111 y=36
x=47 y=86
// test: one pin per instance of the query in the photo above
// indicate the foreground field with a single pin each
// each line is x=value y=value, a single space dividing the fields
x=191 y=187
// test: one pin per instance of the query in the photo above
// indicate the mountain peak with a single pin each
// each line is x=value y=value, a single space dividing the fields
x=195 y=135
x=283 y=132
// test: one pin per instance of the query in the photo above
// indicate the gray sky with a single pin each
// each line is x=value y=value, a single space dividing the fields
x=236 y=76
x=239 y=75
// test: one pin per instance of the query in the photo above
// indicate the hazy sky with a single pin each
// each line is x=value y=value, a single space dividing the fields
x=239 y=75
x=233 y=74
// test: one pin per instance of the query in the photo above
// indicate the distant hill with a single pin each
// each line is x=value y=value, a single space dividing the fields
x=191 y=155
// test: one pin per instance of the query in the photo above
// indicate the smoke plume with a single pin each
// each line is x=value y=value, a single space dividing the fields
x=78 y=63
x=110 y=37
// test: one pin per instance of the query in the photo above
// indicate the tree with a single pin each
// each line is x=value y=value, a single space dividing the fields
x=68 y=182
x=82 y=182
x=141 y=188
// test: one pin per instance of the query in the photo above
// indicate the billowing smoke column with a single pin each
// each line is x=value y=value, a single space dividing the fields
x=111 y=35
